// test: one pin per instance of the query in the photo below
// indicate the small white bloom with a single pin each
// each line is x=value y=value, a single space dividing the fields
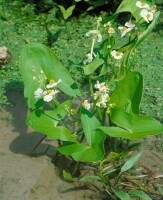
x=107 y=24
x=99 y=37
x=124 y=30
x=130 y=24
x=147 y=16
x=86 y=105
x=88 y=58
x=102 y=100
x=95 y=34
x=50 y=95
x=96 y=95
x=111 y=31
x=102 y=87
x=117 y=54
x=142 y=5
x=53 y=83
x=154 y=9
x=39 y=93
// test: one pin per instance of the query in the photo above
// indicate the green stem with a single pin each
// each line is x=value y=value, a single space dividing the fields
x=92 y=46
x=117 y=180
x=91 y=87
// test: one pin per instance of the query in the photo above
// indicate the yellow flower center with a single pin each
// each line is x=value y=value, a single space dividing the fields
x=50 y=91
x=52 y=81
x=148 y=15
x=118 y=53
x=111 y=30
x=154 y=8
x=100 y=99
x=83 y=104
x=108 y=98
x=124 y=28
x=143 y=4
x=98 y=32
x=132 y=22
x=86 y=56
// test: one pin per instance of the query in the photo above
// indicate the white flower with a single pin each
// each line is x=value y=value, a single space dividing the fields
x=142 y=4
x=102 y=100
x=53 y=83
x=130 y=24
x=154 y=9
x=117 y=54
x=50 y=95
x=96 y=95
x=86 y=105
x=88 y=58
x=99 y=37
x=111 y=31
x=101 y=95
x=102 y=87
x=124 y=30
x=39 y=93
x=95 y=34
x=147 y=16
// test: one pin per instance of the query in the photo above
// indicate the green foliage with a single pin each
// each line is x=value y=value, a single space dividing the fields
x=84 y=140
x=91 y=67
x=129 y=91
x=66 y=13
x=122 y=195
x=139 y=194
x=67 y=176
x=43 y=58
x=130 y=162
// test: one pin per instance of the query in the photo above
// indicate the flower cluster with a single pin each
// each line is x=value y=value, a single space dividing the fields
x=147 y=13
x=50 y=92
x=127 y=27
x=101 y=94
x=111 y=30
x=101 y=97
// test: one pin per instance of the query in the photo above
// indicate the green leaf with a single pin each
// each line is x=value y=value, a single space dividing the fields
x=137 y=125
x=91 y=67
x=86 y=178
x=94 y=137
x=44 y=123
x=132 y=126
x=128 y=92
x=60 y=112
x=88 y=153
x=67 y=176
x=122 y=195
x=79 y=152
x=140 y=194
x=43 y=58
x=66 y=13
x=131 y=162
